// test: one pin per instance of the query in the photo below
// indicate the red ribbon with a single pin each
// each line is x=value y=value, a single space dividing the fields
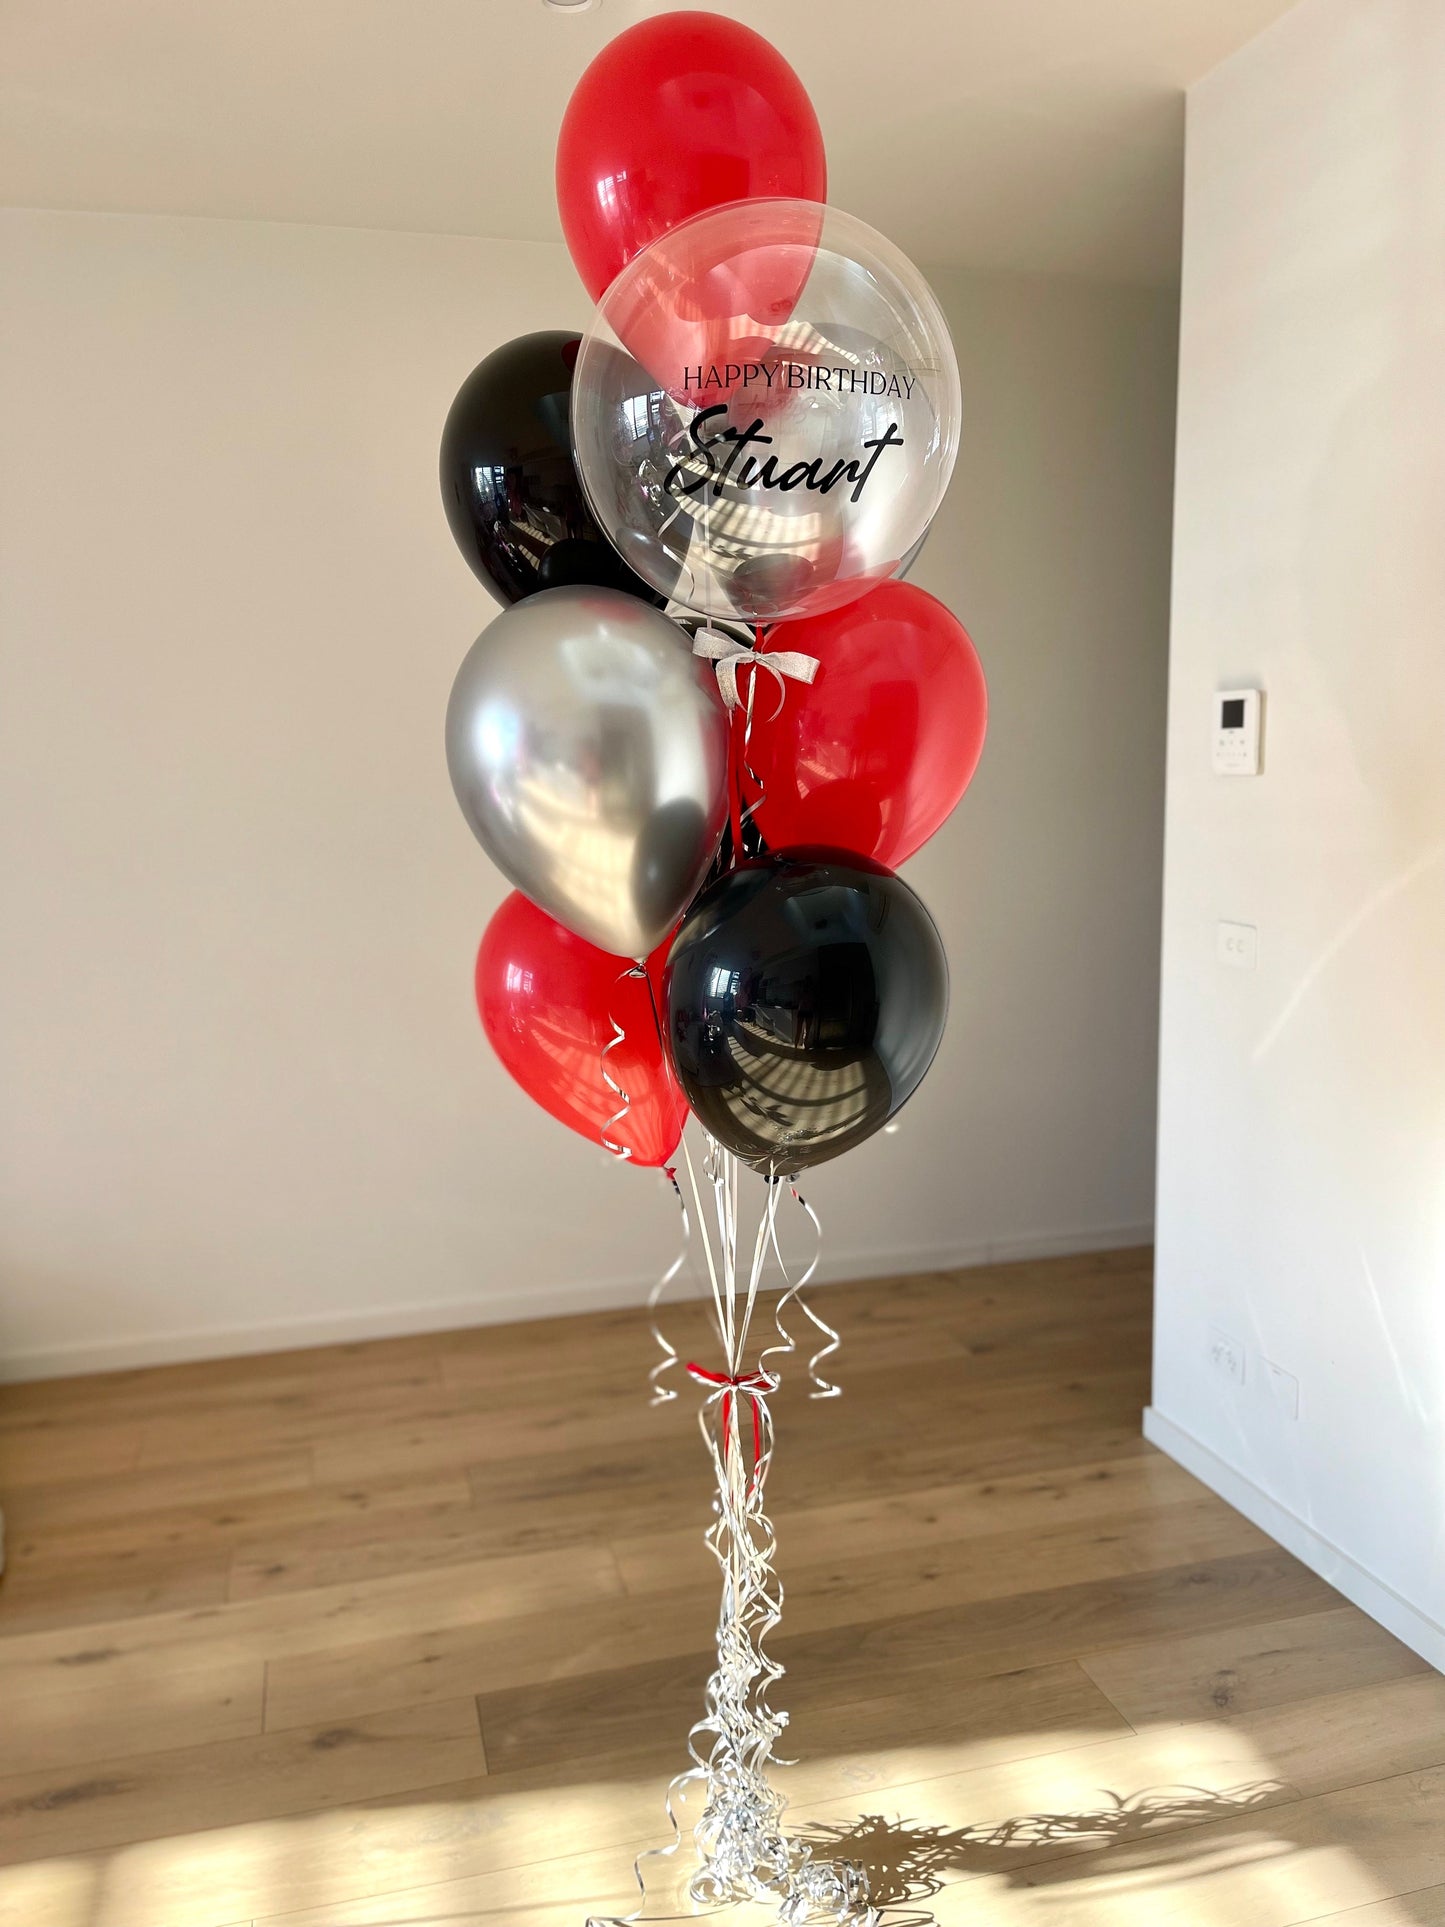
x=754 y=1386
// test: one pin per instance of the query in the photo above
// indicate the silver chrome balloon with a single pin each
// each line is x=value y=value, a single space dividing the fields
x=588 y=750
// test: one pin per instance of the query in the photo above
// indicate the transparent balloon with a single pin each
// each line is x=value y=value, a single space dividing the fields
x=766 y=411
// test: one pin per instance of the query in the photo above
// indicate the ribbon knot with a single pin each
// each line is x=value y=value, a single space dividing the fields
x=729 y=656
x=753 y=1386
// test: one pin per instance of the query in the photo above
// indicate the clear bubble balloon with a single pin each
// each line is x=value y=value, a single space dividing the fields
x=766 y=410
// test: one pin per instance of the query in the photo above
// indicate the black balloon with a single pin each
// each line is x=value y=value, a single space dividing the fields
x=509 y=484
x=806 y=997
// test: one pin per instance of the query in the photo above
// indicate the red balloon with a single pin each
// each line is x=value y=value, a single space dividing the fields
x=548 y=1000
x=680 y=113
x=874 y=754
x=707 y=298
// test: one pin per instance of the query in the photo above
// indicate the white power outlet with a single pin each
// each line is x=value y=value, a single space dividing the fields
x=1237 y=944
x=1226 y=1355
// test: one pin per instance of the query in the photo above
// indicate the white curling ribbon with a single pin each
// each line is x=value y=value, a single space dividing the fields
x=729 y=656
x=743 y=1851
x=622 y=1152
x=793 y=1295
x=664 y=1394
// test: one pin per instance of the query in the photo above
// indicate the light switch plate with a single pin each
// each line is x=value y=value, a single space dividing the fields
x=1285 y=1388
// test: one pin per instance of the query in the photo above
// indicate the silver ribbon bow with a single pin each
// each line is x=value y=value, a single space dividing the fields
x=729 y=655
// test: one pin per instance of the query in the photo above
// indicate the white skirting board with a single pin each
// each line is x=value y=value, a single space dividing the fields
x=1421 y=1634
x=502 y=1308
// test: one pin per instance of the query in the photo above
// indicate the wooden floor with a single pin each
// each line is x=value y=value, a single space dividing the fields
x=409 y=1635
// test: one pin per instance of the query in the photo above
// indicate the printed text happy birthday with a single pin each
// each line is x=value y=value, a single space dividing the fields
x=798 y=374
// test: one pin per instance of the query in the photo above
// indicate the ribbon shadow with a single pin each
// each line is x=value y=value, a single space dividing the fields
x=908 y=1864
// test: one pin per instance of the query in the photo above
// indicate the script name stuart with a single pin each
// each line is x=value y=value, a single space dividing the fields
x=705 y=466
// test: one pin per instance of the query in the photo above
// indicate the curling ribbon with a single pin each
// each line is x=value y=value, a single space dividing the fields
x=742 y=1850
x=729 y=655
x=754 y=1386
x=664 y=1394
x=622 y=1152
x=822 y=1387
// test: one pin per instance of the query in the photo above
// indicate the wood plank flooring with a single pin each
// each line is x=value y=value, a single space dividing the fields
x=409 y=1634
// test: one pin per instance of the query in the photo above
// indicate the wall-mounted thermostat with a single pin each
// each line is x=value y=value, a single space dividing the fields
x=1238 y=714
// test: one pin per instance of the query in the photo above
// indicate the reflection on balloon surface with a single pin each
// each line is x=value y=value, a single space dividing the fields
x=551 y=1003
x=766 y=410
x=588 y=750
x=509 y=484
x=806 y=997
x=679 y=113
x=876 y=752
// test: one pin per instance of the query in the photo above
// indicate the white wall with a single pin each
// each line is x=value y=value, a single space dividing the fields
x=246 y=1099
x=1302 y=1153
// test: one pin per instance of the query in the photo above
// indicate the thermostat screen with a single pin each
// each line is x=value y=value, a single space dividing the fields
x=1231 y=713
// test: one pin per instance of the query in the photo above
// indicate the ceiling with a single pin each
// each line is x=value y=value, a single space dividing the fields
x=1026 y=134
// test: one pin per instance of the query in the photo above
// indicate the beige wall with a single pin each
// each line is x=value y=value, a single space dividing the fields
x=1302 y=1126
x=245 y=1098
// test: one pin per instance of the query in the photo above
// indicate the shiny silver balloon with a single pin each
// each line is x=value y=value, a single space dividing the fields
x=588 y=750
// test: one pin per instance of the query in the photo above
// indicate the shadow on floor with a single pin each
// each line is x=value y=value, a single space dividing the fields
x=909 y=1864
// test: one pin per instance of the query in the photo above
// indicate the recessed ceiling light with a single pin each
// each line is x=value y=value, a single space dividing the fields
x=571 y=6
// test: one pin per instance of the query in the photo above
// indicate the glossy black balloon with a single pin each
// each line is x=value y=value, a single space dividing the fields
x=509 y=485
x=806 y=997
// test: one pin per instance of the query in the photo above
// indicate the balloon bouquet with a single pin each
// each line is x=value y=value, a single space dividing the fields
x=707 y=726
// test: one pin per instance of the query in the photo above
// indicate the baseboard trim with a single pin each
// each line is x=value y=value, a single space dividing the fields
x=1420 y=1633
x=409 y=1319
